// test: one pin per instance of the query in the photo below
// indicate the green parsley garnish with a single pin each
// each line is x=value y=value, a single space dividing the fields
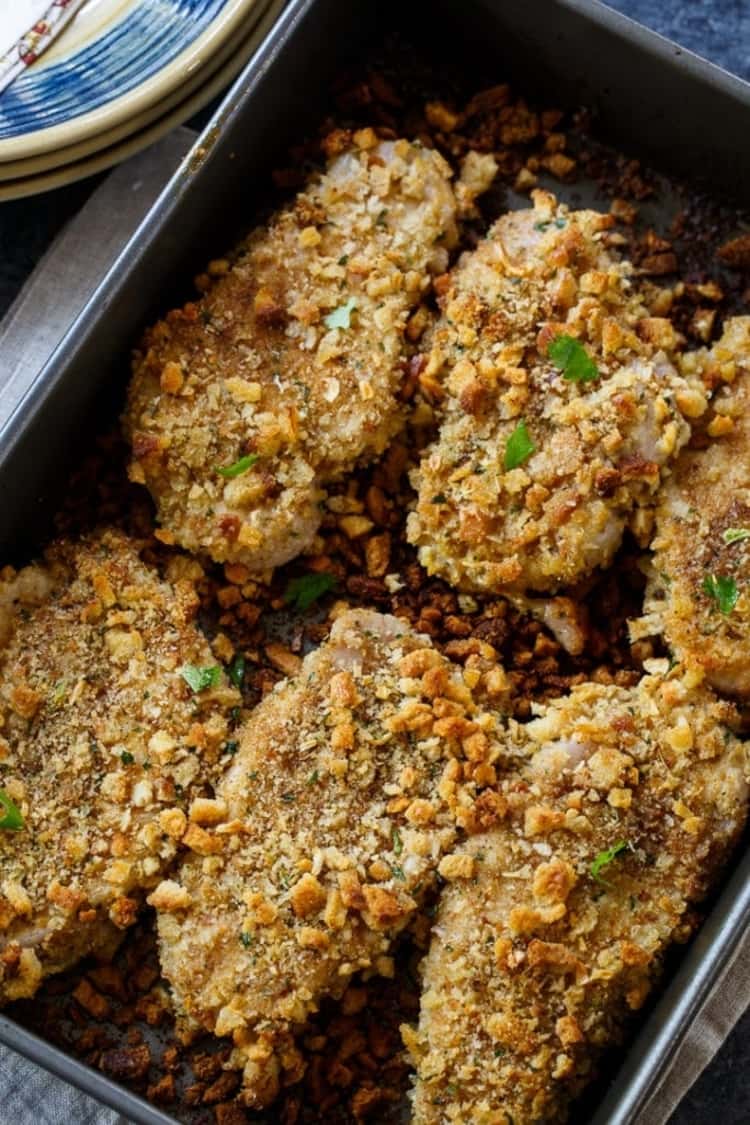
x=313 y=778
x=605 y=858
x=559 y=223
x=59 y=693
x=519 y=447
x=397 y=843
x=231 y=746
x=722 y=590
x=439 y=499
x=11 y=819
x=246 y=939
x=199 y=679
x=736 y=534
x=302 y=592
x=127 y=758
x=237 y=671
x=341 y=317
x=239 y=467
x=570 y=357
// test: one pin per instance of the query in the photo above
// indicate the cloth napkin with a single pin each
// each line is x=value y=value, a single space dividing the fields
x=54 y=294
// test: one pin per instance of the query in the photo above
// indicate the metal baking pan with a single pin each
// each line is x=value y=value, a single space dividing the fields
x=650 y=97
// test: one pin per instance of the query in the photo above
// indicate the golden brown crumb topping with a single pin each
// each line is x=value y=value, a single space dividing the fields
x=287 y=372
x=339 y=809
x=540 y=462
x=698 y=594
x=103 y=745
x=627 y=804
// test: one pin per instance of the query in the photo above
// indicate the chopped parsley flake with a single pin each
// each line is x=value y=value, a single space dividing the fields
x=721 y=590
x=59 y=693
x=519 y=447
x=439 y=499
x=199 y=679
x=246 y=939
x=237 y=671
x=342 y=316
x=231 y=747
x=603 y=859
x=736 y=534
x=313 y=778
x=559 y=223
x=397 y=871
x=302 y=592
x=11 y=819
x=127 y=758
x=239 y=467
x=570 y=357
x=397 y=842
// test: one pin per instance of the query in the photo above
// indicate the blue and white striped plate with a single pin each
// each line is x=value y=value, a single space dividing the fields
x=116 y=59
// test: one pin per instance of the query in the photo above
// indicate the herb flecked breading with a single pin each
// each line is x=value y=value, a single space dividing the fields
x=103 y=748
x=336 y=816
x=625 y=807
x=558 y=401
x=698 y=595
x=286 y=373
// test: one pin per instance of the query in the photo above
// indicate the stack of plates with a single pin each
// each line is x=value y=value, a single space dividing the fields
x=121 y=75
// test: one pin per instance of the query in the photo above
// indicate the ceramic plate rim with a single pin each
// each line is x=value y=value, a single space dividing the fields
x=149 y=92
x=71 y=154
x=100 y=161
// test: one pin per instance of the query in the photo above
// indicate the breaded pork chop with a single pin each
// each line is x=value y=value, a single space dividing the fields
x=628 y=806
x=102 y=746
x=698 y=595
x=286 y=373
x=559 y=407
x=333 y=821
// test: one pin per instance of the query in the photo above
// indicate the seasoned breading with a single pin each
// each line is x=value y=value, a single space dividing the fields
x=102 y=745
x=294 y=357
x=623 y=814
x=347 y=789
x=698 y=594
x=507 y=508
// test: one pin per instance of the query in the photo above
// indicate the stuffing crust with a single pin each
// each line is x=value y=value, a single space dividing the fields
x=489 y=521
x=102 y=746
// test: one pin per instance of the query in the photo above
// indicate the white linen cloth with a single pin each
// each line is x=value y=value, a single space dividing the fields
x=54 y=294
